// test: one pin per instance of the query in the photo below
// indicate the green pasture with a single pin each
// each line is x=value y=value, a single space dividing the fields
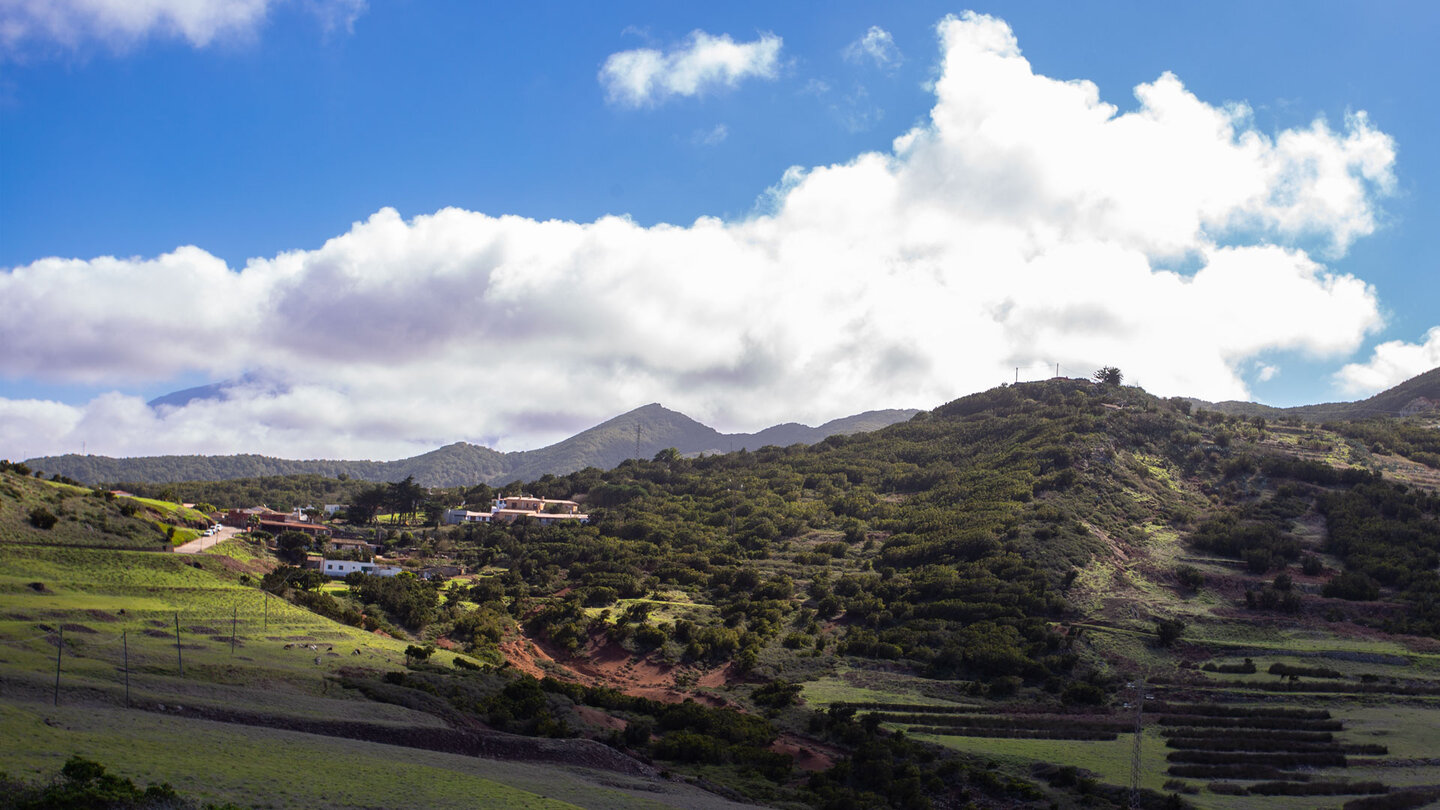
x=271 y=768
x=106 y=601
x=1109 y=759
x=173 y=511
x=849 y=685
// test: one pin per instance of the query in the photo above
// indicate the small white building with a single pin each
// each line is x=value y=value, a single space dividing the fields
x=341 y=568
x=454 y=517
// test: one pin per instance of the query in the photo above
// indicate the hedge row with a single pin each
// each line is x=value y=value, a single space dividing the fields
x=1317 y=788
x=1221 y=710
x=1008 y=721
x=1015 y=733
x=1271 y=723
x=1315 y=760
x=1233 y=772
x=1395 y=800
x=1233 y=743
x=1251 y=734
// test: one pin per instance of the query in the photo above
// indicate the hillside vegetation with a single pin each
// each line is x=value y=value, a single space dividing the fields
x=1017 y=581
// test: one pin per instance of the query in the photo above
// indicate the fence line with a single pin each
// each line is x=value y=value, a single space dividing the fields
x=83 y=648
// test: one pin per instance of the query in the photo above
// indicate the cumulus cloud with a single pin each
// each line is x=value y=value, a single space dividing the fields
x=71 y=23
x=1392 y=363
x=877 y=47
x=703 y=63
x=1025 y=223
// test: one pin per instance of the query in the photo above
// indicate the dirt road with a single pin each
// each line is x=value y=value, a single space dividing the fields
x=199 y=544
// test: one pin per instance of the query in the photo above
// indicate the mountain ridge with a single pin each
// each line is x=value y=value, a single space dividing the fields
x=1419 y=394
x=461 y=463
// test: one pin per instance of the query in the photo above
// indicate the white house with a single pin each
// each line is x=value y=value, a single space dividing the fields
x=340 y=568
x=506 y=510
x=457 y=516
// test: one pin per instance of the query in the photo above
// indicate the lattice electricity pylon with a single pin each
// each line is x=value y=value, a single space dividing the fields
x=1135 y=749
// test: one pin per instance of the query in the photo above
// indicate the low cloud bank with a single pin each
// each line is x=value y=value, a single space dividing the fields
x=1026 y=223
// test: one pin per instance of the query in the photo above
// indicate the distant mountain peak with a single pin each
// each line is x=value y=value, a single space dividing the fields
x=461 y=463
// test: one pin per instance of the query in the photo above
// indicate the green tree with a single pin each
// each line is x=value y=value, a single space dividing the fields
x=1167 y=631
x=292 y=546
x=366 y=505
x=1108 y=375
x=405 y=497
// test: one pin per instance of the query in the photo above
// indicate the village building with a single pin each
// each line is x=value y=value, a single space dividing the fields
x=240 y=518
x=342 y=568
x=283 y=523
x=544 y=511
x=345 y=544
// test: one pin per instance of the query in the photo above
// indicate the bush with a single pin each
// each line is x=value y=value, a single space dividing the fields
x=1167 y=631
x=1190 y=577
x=1352 y=586
x=41 y=518
x=1083 y=694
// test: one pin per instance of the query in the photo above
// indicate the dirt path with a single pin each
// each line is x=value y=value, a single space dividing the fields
x=199 y=544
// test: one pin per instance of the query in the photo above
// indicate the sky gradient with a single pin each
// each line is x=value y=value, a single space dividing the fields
x=395 y=225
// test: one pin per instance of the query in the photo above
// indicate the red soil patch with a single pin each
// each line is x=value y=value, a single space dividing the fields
x=605 y=663
x=807 y=755
x=524 y=656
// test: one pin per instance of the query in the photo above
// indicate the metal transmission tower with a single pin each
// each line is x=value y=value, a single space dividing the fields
x=1135 y=750
x=637 y=440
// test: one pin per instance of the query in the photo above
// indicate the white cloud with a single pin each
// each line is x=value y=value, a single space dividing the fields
x=876 y=46
x=120 y=23
x=1392 y=363
x=710 y=137
x=703 y=63
x=1266 y=372
x=1026 y=223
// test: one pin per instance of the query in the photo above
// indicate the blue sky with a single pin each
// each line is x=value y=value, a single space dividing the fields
x=262 y=130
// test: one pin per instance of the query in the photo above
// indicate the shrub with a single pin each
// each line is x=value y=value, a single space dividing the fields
x=1190 y=577
x=1167 y=631
x=41 y=518
x=1352 y=586
x=1082 y=694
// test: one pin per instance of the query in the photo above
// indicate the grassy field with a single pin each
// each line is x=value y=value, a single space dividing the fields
x=109 y=605
x=84 y=517
x=104 y=607
x=271 y=768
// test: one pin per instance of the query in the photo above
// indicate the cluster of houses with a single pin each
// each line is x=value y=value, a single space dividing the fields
x=544 y=511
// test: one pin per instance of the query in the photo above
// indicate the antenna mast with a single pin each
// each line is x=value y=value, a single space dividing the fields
x=637 y=439
x=1139 y=735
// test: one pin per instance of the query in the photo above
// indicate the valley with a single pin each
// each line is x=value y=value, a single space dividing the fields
x=1062 y=593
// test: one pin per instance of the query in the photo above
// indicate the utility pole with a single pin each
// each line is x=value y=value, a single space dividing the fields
x=1135 y=750
x=234 y=619
x=125 y=640
x=179 y=657
x=1017 y=375
x=58 y=647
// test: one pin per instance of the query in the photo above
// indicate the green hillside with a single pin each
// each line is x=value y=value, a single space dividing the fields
x=1017 y=580
x=1419 y=394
